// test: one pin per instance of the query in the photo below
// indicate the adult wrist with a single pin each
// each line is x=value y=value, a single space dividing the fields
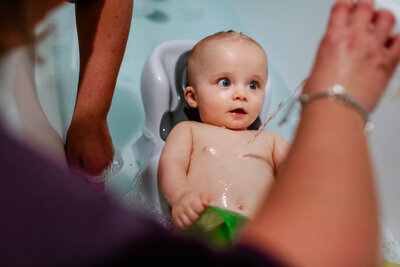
x=90 y=112
x=338 y=94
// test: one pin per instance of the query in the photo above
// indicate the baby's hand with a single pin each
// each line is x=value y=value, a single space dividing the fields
x=188 y=208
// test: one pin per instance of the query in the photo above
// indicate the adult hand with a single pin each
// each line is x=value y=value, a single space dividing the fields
x=357 y=52
x=103 y=29
x=89 y=146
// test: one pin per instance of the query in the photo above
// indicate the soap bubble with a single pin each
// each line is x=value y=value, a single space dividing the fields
x=115 y=166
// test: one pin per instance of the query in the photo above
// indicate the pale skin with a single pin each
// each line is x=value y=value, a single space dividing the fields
x=213 y=163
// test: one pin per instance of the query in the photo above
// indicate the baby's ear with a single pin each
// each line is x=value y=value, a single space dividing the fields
x=190 y=96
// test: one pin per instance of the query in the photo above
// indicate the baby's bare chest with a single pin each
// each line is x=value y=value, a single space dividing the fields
x=227 y=144
x=231 y=151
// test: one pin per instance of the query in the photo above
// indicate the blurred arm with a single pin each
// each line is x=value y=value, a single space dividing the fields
x=322 y=210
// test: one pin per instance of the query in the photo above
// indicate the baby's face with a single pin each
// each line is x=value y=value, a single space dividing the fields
x=229 y=83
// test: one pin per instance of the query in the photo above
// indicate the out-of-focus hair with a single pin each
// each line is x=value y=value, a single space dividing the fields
x=13 y=18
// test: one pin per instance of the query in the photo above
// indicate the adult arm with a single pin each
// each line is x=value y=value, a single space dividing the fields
x=103 y=28
x=322 y=210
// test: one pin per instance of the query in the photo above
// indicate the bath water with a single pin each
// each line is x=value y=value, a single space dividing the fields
x=290 y=99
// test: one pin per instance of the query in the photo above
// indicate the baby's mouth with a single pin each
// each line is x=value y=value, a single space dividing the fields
x=238 y=111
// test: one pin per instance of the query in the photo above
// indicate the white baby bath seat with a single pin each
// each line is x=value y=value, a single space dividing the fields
x=162 y=83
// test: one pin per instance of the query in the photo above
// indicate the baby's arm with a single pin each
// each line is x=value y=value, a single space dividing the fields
x=186 y=202
x=281 y=148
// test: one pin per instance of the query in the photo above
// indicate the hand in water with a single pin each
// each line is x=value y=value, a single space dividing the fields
x=188 y=208
x=357 y=52
x=89 y=146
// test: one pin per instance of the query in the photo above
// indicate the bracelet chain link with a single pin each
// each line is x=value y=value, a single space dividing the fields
x=338 y=93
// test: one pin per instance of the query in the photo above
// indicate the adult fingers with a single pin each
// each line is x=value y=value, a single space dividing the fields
x=368 y=2
x=393 y=51
x=74 y=160
x=363 y=14
x=384 y=22
x=340 y=14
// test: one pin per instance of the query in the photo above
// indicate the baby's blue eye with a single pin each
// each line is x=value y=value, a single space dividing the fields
x=224 y=82
x=253 y=85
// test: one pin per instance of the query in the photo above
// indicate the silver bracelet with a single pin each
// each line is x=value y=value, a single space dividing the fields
x=338 y=93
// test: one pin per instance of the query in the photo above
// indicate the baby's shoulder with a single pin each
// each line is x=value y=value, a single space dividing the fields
x=186 y=126
x=268 y=133
x=269 y=136
x=181 y=131
x=262 y=134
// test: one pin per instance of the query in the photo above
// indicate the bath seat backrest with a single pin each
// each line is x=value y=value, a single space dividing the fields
x=183 y=111
x=159 y=86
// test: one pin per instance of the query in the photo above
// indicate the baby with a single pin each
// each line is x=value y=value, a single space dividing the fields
x=213 y=162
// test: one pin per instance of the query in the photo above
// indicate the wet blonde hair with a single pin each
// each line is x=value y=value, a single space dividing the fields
x=196 y=51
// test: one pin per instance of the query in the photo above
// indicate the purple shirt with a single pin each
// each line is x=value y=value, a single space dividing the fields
x=49 y=217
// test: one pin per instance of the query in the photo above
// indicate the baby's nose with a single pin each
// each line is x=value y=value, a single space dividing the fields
x=239 y=94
